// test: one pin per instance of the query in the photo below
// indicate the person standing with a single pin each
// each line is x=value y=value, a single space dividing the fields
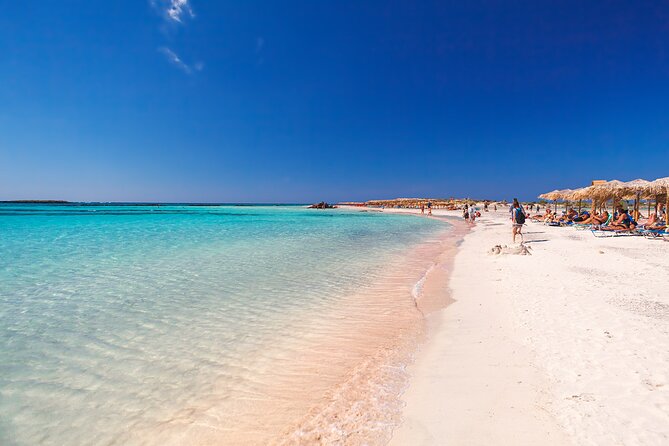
x=429 y=208
x=517 y=219
x=422 y=208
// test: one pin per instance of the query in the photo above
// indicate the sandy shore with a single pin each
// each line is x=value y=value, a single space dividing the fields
x=567 y=346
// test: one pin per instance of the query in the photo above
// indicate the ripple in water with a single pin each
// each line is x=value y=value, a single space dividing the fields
x=214 y=324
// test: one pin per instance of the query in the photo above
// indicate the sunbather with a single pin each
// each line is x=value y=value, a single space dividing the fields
x=622 y=223
x=569 y=216
x=596 y=219
x=654 y=223
x=581 y=218
x=549 y=216
x=651 y=220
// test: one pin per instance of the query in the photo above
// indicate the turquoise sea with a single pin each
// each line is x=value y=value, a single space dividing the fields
x=128 y=324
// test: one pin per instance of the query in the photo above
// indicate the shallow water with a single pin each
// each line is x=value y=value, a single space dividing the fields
x=155 y=324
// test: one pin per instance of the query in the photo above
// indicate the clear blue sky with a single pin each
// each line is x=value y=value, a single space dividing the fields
x=140 y=100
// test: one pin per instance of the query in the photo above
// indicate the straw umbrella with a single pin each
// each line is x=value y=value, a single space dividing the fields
x=557 y=194
x=585 y=193
x=577 y=195
x=552 y=195
x=611 y=190
x=661 y=187
x=565 y=195
x=636 y=188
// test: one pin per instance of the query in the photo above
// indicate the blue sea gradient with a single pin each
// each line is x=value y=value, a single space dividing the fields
x=113 y=318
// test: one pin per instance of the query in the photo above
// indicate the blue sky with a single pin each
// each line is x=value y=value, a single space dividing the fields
x=175 y=100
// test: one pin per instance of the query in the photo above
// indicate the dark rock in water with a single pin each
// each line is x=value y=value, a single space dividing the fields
x=322 y=205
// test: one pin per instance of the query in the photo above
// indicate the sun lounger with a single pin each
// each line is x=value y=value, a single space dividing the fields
x=616 y=232
x=656 y=234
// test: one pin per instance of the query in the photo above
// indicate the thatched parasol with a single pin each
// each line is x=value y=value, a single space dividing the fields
x=550 y=195
x=578 y=195
x=635 y=189
x=565 y=194
x=661 y=187
x=584 y=193
x=637 y=186
x=611 y=190
x=557 y=194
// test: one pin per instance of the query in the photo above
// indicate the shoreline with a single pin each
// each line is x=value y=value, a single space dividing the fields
x=459 y=403
x=472 y=383
x=344 y=385
x=567 y=346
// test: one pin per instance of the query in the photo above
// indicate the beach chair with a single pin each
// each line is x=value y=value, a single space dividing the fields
x=601 y=233
x=655 y=234
x=592 y=227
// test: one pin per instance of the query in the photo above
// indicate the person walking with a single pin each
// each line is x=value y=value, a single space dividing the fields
x=517 y=219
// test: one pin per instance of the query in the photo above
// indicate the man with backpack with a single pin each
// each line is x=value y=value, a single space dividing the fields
x=517 y=219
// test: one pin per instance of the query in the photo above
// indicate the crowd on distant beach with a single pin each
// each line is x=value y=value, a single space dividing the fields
x=618 y=222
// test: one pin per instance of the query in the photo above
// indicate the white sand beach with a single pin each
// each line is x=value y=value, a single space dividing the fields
x=567 y=346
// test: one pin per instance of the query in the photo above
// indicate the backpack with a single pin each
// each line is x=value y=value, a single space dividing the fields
x=520 y=216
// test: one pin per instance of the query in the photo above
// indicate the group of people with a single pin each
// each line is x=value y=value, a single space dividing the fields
x=619 y=221
x=429 y=208
x=470 y=213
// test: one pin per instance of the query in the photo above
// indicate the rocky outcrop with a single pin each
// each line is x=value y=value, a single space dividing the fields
x=322 y=205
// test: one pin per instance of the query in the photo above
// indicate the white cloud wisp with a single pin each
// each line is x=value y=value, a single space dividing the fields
x=175 y=60
x=173 y=10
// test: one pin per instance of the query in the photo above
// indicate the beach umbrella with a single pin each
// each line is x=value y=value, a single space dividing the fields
x=575 y=195
x=565 y=195
x=585 y=193
x=552 y=195
x=597 y=192
x=661 y=187
x=636 y=188
x=611 y=190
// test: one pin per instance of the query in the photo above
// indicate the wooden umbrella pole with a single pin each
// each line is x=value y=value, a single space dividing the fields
x=666 y=207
